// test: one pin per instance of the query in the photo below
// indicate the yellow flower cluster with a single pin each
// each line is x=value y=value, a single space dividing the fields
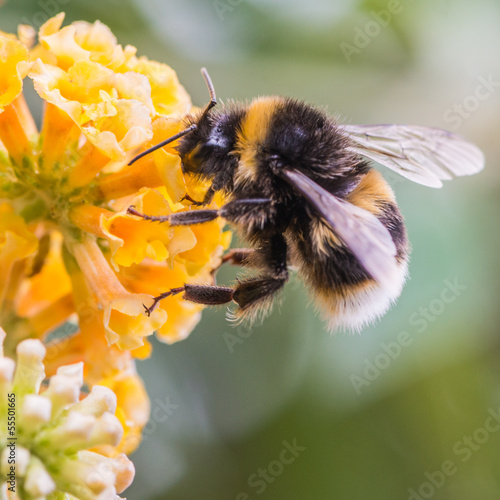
x=68 y=249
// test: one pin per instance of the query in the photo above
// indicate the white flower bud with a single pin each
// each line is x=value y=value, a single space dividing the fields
x=30 y=370
x=35 y=411
x=38 y=482
x=100 y=400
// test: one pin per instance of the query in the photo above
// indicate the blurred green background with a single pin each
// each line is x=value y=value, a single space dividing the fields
x=409 y=408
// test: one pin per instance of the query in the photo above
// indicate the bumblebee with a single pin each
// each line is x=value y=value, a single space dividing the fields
x=301 y=192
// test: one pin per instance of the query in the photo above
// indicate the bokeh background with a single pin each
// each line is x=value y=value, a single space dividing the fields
x=409 y=408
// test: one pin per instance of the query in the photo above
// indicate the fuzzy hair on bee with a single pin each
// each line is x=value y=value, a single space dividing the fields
x=301 y=192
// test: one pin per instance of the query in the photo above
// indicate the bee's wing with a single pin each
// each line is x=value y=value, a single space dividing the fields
x=422 y=154
x=363 y=234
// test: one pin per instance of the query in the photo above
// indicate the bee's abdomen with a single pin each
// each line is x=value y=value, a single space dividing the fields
x=392 y=219
x=374 y=195
x=343 y=291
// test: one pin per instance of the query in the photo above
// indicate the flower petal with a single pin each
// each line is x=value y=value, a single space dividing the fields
x=14 y=57
x=124 y=318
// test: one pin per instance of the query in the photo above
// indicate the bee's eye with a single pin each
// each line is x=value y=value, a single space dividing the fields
x=191 y=162
x=205 y=150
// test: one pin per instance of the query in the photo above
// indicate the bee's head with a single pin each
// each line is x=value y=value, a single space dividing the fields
x=196 y=147
x=205 y=150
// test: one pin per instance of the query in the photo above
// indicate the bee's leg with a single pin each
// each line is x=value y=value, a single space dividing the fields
x=234 y=211
x=252 y=212
x=236 y=257
x=252 y=294
x=181 y=218
x=207 y=199
x=191 y=200
x=201 y=294
x=256 y=294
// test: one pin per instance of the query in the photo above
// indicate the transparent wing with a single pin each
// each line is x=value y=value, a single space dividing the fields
x=362 y=233
x=422 y=154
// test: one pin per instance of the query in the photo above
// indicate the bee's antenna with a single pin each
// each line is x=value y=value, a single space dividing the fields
x=210 y=105
x=163 y=143
x=211 y=91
